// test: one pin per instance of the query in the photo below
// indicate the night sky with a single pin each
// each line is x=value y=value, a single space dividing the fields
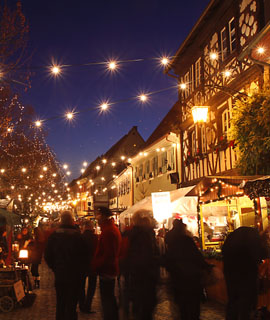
x=78 y=32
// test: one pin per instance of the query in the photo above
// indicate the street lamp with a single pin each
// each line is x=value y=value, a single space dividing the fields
x=199 y=114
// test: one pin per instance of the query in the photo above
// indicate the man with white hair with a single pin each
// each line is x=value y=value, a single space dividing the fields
x=66 y=255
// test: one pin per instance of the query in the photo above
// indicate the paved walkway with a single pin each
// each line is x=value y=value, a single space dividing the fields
x=44 y=305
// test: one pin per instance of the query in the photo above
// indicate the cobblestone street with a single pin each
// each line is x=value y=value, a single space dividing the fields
x=44 y=305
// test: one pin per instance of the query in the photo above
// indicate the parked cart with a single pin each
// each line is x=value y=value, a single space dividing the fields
x=14 y=287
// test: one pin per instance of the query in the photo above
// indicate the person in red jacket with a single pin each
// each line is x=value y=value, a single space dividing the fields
x=106 y=262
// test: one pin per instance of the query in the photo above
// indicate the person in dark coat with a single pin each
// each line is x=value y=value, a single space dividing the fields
x=91 y=240
x=185 y=265
x=242 y=253
x=106 y=262
x=66 y=255
x=35 y=251
x=141 y=268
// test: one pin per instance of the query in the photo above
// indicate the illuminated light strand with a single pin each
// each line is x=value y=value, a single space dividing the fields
x=143 y=97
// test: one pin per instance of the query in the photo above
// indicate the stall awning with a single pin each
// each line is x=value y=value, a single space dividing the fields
x=179 y=204
x=212 y=188
x=10 y=217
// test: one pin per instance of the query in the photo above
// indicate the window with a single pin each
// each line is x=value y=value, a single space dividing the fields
x=198 y=72
x=187 y=82
x=192 y=79
x=224 y=46
x=147 y=166
x=155 y=165
x=232 y=35
x=164 y=162
x=193 y=142
x=140 y=170
x=226 y=121
x=203 y=139
x=171 y=163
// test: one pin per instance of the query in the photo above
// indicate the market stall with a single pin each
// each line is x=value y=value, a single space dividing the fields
x=164 y=206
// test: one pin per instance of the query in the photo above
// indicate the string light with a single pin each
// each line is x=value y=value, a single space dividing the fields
x=69 y=115
x=213 y=56
x=227 y=73
x=112 y=65
x=85 y=164
x=104 y=106
x=65 y=166
x=164 y=61
x=261 y=50
x=183 y=86
x=38 y=123
x=55 y=70
x=143 y=97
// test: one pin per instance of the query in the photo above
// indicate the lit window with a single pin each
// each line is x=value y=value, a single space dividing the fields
x=198 y=72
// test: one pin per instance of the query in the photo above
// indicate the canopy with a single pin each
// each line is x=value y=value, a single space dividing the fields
x=179 y=204
x=10 y=217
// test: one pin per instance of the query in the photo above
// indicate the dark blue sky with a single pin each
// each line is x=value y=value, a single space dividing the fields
x=77 y=32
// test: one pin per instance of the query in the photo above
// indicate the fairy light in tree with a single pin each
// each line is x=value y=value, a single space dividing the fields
x=85 y=164
x=113 y=164
x=45 y=168
x=123 y=157
x=97 y=167
x=54 y=174
x=24 y=170
x=2 y=170
x=9 y=129
x=68 y=173
x=129 y=160
x=65 y=166
x=82 y=170
x=104 y=161
x=41 y=176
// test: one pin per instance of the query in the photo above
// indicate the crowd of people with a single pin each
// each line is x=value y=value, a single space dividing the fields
x=135 y=260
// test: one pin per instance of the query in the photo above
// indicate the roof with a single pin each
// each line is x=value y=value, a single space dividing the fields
x=167 y=125
x=195 y=29
x=110 y=153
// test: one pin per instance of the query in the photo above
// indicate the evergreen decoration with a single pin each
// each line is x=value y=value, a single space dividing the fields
x=258 y=188
x=251 y=132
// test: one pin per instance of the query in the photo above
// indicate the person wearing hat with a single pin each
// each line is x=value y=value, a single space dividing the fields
x=66 y=255
x=106 y=262
x=185 y=264
x=91 y=239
